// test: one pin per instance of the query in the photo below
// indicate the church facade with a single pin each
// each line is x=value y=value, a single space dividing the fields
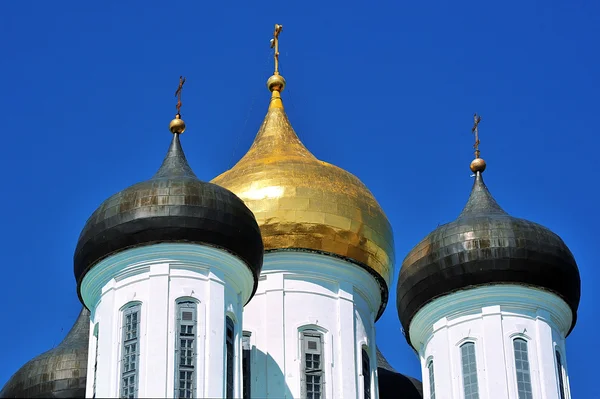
x=267 y=282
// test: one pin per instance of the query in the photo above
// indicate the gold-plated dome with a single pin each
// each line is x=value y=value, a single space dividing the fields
x=301 y=202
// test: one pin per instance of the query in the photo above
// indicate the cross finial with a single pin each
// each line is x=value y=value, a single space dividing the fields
x=275 y=44
x=475 y=130
x=178 y=94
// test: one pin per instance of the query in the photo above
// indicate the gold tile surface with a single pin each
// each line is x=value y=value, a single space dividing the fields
x=302 y=202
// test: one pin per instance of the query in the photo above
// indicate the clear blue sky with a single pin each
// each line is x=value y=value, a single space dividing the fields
x=385 y=90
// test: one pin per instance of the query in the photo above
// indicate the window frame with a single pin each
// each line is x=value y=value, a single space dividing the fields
x=229 y=358
x=97 y=336
x=518 y=370
x=562 y=386
x=431 y=376
x=180 y=307
x=367 y=373
x=246 y=364
x=306 y=336
x=471 y=373
x=130 y=309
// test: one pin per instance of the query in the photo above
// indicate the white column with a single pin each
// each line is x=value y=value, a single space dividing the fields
x=546 y=361
x=275 y=344
x=108 y=362
x=495 y=359
x=345 y=353
x=155 y=372
x=214 y=357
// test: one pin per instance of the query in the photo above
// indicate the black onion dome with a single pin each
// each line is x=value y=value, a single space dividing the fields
x=57 y=373
x=485 y=245
x=173 y=206
x=393 y=384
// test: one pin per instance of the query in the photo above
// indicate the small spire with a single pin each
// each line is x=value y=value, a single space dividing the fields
x=478 y=164
x=276 y=83
x=481 y=201
x=177 y=125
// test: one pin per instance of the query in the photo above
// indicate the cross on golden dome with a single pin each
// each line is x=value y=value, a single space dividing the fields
x=275 y=44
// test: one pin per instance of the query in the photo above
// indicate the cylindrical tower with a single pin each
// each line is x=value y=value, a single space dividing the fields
x=328 y=264
x=487 y=302
x=165 y=267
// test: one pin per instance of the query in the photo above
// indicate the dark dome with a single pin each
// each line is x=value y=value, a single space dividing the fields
x=173 y=206
x=485 y=246
x=393 y=384
x=58 y=373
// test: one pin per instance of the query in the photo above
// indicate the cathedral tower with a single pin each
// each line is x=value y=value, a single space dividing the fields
x=487 y=302
x=165 y=267
x=329 y=257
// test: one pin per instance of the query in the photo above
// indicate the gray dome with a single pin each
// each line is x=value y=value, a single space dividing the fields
x=485 y=245
x=173 y=206
x=393 y=384
x=57 y=373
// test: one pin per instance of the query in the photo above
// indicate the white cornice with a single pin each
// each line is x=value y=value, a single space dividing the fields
x=327 y=269
x=512 y=300
x=202 y=260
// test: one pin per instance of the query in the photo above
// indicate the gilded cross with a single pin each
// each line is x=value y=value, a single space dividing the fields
x=178 y=93
x=475 y=130
x=275 y=44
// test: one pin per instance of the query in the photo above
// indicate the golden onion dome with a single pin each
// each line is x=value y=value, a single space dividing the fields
x=303 y=203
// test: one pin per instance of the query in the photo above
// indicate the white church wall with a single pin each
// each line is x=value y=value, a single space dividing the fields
x=156 y=277
x=299 y=291
x=492 y=317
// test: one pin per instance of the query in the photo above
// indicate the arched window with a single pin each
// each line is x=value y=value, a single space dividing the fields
x=229 y=358
x=313 y=374
x=522 y=368
x=130 y=351
x=431 y=379
x=185 y=350
x=246 y=364
x=469 y=369
x=366 y=372
x=561 y=382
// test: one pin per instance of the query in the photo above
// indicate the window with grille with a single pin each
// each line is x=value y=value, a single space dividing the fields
x=313 y=374
x=469 y=369
x=229 y=359
x=366 y=372
x=246 y=364
x=130 y=352
x=185 y=350
x=431 y=380
x=522 y=368
x=561 y=382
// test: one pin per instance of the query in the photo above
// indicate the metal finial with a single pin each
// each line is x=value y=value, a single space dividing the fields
x=275 y=44
x=478 y=164
x=177 y=125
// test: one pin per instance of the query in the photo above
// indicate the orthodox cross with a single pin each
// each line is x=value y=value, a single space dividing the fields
x=275 y=44
x=178 y=94
x=475 y=130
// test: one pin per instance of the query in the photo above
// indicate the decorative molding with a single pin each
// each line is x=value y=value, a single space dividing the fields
x=465 y=305
x=176 y=260
x=323 y=270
